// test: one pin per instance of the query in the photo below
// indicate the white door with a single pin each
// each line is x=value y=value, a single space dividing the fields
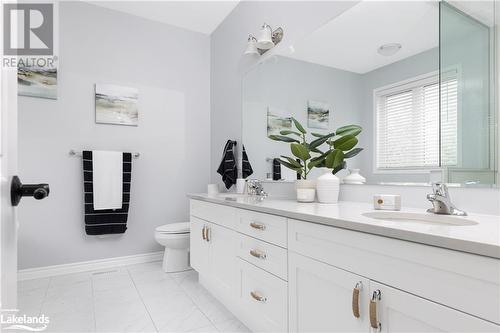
x=222 y=259
x=397 y=311
x=324 y=298
x=199 y=245
x=8 y=168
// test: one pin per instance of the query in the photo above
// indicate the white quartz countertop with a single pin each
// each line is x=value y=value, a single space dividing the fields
x=482 y=238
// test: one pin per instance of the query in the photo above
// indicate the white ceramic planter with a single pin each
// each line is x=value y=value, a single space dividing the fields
x=328 y=188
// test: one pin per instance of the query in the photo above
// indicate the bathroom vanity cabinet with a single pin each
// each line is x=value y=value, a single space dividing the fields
x=281 y=274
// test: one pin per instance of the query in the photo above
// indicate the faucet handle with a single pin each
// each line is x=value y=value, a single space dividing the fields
x=440 y=189
x=254 y=187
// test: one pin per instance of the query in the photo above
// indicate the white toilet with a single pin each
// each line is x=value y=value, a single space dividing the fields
x=175 y=238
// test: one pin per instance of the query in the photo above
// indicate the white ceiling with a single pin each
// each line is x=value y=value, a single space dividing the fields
x=200 y=16
x=482 y=11
x=350 y=41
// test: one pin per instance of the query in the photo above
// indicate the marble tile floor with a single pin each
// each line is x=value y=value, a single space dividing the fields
x=137 y=298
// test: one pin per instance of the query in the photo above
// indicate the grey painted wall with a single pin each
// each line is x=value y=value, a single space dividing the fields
x=228 y=42
x=172 y=75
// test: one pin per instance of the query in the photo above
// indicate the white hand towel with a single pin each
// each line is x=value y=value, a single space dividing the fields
x=107 y=179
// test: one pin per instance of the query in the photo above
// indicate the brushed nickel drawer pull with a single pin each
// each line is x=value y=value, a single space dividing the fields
x=355 y=299
x=208 y=234
x=258 y=254
x=257 y=226
x=374 y=323
x=256 y=296
x=203 y=233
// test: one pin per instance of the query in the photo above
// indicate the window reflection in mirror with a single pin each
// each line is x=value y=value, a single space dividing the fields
x=423 y=93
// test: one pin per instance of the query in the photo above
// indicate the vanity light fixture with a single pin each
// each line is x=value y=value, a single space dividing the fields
x=389 y=49
x=268 y=38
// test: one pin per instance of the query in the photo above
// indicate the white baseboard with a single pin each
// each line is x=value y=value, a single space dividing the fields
x=83 y=266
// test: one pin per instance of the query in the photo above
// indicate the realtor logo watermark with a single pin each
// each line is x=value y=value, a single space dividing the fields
x=28 y=29
x=11 y=320
x=28 y=35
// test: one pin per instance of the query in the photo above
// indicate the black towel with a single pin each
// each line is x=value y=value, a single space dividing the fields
x=227 y=168
x=107 y=221
x=276 y=169
x=246 y=168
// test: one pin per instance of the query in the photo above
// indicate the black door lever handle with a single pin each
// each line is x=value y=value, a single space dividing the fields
x=18 y=190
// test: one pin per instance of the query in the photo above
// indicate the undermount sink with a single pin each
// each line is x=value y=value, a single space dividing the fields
x=406 y=217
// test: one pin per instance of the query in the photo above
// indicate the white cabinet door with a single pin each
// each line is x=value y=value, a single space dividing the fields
x=322 y=297
x=199 y=245
x=398 y=311
x=222 y=259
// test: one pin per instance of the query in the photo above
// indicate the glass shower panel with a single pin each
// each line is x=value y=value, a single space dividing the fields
x=467 y=91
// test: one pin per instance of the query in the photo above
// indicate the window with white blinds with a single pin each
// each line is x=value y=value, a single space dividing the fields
x=408 y=124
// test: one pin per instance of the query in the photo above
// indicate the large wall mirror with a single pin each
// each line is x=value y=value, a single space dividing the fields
x=418 y=77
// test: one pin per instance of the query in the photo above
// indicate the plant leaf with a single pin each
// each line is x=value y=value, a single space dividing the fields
x=286 y=132
x=322 y=156
x=340 y=167
x=349 y=130
x=334 y=159
x=320 y=141
x=353 y=152
x=318 y=135
x=293 y=162
x=300 y=151
x=298 y=126
x=289 y=166
x=345 y=143
x=316 y=163
x=282 y=138
x=316 y=150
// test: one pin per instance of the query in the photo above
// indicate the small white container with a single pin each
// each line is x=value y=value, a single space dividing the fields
x=387 y=202
x=213 y=189
x=240 y=185
x=306 y=194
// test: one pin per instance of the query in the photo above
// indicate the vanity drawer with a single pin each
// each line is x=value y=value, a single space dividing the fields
x=269 y=257
x=218 y=214
x=459 y=280
x=264 y=298
x=269 y=228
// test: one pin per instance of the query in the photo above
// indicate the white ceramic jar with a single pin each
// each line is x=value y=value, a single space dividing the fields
x=354 y=177
x=328 y=188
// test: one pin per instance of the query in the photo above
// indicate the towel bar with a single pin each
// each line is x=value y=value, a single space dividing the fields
x=73 y=152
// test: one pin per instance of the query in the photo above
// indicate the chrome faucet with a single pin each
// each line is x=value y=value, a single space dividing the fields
x=255 y=188
x=440 y=199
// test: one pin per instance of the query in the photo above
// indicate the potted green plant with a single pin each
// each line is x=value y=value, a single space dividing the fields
x=340 y=147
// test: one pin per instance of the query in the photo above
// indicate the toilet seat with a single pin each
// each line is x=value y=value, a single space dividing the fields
x=173 y=228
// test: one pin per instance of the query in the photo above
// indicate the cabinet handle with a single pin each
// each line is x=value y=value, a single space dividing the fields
x=258 y=254
x=355 y=299
x=208 y=234
x=374 y=323
x=256 y=296
x=258 y=226
x=203 y=233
